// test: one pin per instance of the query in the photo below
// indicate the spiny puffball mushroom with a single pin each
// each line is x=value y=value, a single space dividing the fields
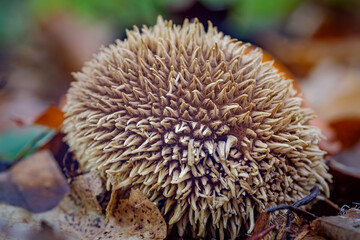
x=196 y=120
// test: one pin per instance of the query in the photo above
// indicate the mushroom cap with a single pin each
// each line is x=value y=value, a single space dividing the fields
x=197 y=121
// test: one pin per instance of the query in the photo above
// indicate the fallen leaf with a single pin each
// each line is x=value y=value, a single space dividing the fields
x=264 y=233
x=17 y=143
x=340 y=227
x=53 y=117
x=301 y=235
x=310 y=235
x=262 y=222
x=136 y=216
x=35 y=183
x=88 y=187
x=79 y=216
x=15 y=222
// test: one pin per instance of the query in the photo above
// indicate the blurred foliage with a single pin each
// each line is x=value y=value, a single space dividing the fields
x=14 y=22
x=252 y=15
x=17 y=15
x=18 y=143
x=123 y=12
x=244 y=16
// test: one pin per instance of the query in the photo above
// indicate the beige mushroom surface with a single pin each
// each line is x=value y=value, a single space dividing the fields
x=199 y=123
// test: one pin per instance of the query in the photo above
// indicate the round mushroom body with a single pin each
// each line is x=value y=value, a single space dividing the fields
x=197 y=121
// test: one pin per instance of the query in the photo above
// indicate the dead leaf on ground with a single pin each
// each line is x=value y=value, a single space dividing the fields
x=262 y=222
x=79 y=215
x=88 y=187
x=53 y=117
x=340 y=227
x=35 y=183
x=137 y=216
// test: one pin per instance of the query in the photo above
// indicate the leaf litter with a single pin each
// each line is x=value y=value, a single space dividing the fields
x=80 y=215
x=303 y=225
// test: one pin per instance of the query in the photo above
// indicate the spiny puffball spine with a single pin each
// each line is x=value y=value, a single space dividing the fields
x=197 y=120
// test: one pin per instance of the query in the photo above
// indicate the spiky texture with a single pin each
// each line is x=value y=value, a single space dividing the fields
x=197 y=120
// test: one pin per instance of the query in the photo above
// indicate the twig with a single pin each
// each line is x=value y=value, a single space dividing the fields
x=299 y=211
x=313 y=194
x=331 y=203
x=262 y=234
x=311 y=197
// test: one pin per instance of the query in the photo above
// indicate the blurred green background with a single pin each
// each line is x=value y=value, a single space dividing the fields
x=241 y=18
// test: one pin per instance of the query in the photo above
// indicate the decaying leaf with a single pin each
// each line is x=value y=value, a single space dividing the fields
x=79 y=215
x=35 y=183
x=340 y=227
x=87 y=187
x=53 y=117
x=136 y=216
x=309 y=234
x=262 y=222
x=263 y=234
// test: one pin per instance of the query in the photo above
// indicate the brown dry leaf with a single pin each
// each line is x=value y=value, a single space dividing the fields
x=35 y=183
x=79 y=215
x=265 y=234
x=87 y=187
x=53 y=117
x=137 y=216
x=262 y=222
x=301 y=235
x=340 y=227
x=309 y=234
x=299 y=229
x=74 y=219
